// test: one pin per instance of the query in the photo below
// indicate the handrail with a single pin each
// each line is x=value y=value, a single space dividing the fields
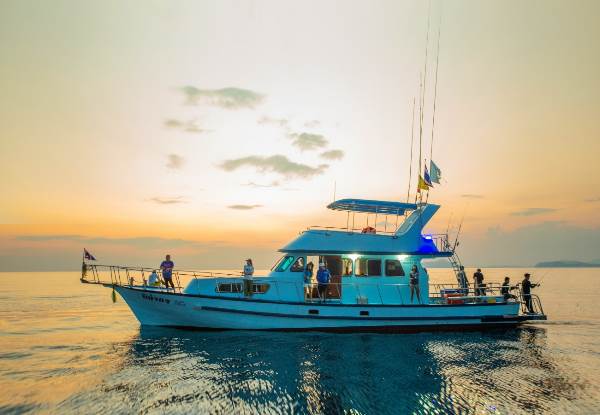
x=304 y=291
x=347 y=230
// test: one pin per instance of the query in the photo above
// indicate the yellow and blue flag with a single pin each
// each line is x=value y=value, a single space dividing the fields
x=422 y=184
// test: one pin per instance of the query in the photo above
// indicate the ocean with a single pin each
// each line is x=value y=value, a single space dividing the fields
x=65 y=347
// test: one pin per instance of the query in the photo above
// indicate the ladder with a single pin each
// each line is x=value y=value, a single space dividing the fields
x=456 y=264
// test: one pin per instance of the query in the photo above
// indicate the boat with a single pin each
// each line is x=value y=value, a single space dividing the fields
x=369 y=289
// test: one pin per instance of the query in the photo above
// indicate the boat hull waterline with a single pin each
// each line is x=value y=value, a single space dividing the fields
x=168 y=309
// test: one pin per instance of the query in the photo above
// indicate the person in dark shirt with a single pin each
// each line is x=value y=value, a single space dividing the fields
x=323 y=277
x=167 y=272
x=478 y=282
x=506 y=288
x=526 y=287
x=414 y=284
x=462 y=280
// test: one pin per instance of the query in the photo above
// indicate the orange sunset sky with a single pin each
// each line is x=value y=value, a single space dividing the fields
x=215 y=130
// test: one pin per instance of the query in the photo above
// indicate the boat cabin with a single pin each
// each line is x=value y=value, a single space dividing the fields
x=367 y=265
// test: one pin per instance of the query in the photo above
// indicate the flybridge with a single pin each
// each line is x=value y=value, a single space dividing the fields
x=372 y=206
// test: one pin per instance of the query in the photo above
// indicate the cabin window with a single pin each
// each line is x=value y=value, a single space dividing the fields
x=229 y=288
x=367 y=267
x=393 y=268
x=346 y=267
x=298 y=266
x=285 y=263
x=260 y=288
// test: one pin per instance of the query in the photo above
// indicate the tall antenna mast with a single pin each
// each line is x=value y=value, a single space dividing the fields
x=412 y=139
x=424 y=84
x=437 y=62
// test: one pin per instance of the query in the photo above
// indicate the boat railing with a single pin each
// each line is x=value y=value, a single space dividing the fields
x=370 y=293
x=441 y=242
x=138 y=276
x=349 y=230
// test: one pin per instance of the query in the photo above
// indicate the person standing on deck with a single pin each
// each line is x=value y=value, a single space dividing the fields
x=308 y=274
x=526 y=287
x=462 y=280
x=323 y=277
x=478 y=282
x=167 y=271
x=414 y=284
x=248 y=272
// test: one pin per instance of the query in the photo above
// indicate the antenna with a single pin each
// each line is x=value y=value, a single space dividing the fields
x=412 y=139
x=334 y=188
x=460 y=228
x=437 y=63
x=449 y=221
x=424 y=87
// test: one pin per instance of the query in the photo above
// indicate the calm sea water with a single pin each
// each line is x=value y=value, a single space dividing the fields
x=65 y=347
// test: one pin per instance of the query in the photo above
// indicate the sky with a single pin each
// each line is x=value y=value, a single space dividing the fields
x=218 y=130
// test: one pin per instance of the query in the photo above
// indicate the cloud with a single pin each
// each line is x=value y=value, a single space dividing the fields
x=312 y=124
x=229 y=98
x=141 y=242
x=190 y=126
x=472 y=196
x=274 y=183
x=244 y=207
x=276 y=164
x=532 y=211
x=307 y=141
x=175 y=162
x=592 y=200
x=168 y=200
x=279 y=122
x=332 y=155
x=49 y=237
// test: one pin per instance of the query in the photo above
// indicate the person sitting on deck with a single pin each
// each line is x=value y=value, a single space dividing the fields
x=153 y=279
x=167 y=271
x=506 y=288
x=414 y=284
x=248 y=272
x=478 y=282
x=323 y=277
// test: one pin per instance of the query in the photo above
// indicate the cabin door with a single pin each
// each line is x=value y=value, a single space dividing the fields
x=336 y=269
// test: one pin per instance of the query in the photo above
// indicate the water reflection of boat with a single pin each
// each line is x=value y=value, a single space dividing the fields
x=369 y=290
x=508 y=369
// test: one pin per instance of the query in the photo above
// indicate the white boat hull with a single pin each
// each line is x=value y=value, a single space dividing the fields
x=158 y=308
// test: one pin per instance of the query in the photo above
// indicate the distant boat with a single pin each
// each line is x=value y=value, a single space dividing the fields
x=369 y=288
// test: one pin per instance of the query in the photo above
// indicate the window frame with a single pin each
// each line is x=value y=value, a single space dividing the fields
x=367 y=267
x=219 y=286
x=282 y=267
x=403 y=273
x=291 y=267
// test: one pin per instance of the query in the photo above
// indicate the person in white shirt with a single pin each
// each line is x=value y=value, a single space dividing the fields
x=248 y=272
x=153 y=279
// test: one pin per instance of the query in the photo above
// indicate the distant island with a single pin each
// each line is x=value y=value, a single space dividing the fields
x=567 y=264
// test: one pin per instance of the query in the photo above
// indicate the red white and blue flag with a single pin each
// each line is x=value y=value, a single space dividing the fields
x=88 y=256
